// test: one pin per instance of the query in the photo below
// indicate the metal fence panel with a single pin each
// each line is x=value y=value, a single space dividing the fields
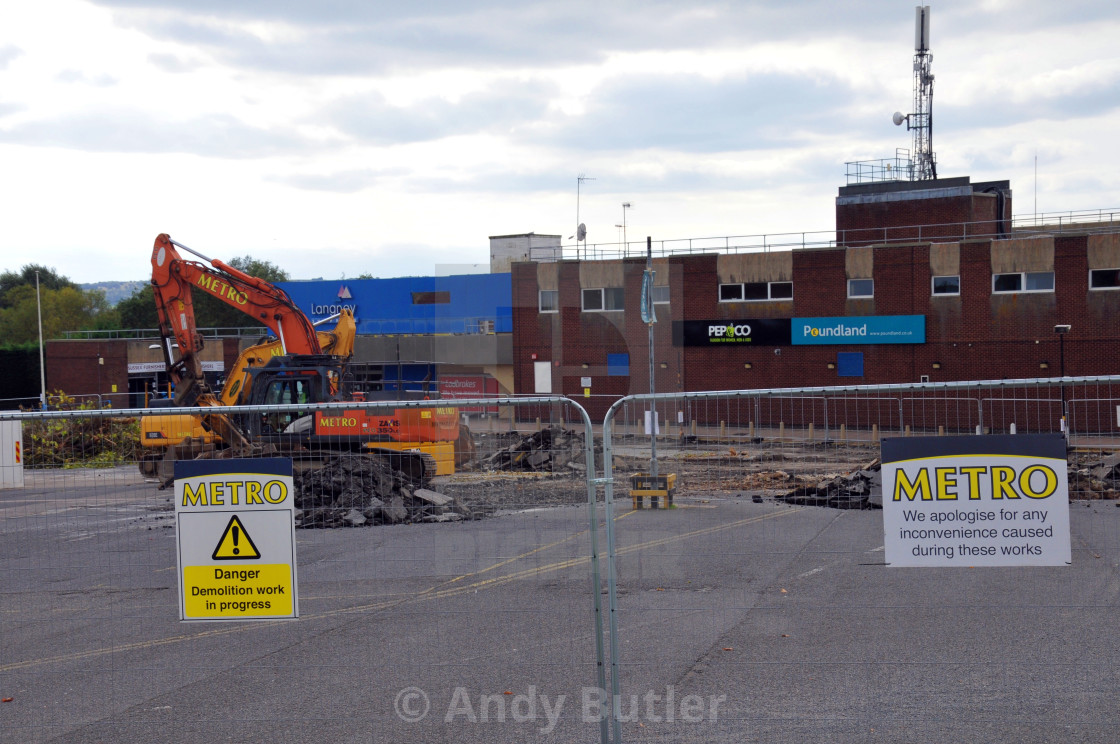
x=419 y=619
x=759 y=607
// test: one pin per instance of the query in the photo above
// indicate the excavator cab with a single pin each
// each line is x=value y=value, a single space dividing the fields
x=290 y=381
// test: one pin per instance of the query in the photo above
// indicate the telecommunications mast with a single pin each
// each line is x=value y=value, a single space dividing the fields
x=921 y=121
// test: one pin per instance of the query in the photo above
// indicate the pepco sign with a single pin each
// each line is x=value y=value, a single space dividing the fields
x=729 y=331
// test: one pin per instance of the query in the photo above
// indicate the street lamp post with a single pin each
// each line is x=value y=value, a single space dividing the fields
x=1062 y=330
x=42 y=366
x=625 y=245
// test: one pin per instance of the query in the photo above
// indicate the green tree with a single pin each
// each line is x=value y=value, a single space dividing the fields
x=266 y=270
x=25 y=277
x=139 y=310
x=65 y=309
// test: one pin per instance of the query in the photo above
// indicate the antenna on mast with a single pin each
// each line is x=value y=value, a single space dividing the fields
x=921 y=121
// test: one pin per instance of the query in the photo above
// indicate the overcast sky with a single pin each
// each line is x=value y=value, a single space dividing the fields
x=340 y=137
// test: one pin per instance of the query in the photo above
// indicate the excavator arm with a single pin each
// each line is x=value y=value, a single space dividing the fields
x=174 y=280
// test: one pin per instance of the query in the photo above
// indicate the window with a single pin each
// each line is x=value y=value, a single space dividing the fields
x=1026 y=281
x=548 y=301
x=1104 y=279
x=861 y=288
x=431 y=298
x=756 y=292
x=947 y=285
x=660 y=295
x=285 y=392
x=609 y=298
x=781 y=290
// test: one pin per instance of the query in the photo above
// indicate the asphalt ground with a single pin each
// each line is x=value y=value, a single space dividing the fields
x=738 y=621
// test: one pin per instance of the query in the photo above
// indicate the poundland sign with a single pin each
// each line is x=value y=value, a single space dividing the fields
x=867 y=329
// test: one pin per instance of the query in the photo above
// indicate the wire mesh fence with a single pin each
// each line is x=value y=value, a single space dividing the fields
x=491 y=585
x=759 y=607
x=443 y=586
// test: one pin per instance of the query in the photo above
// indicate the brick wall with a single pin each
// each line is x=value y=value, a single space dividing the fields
x=976 y=335
x=924 y=220
x=865 y=224
x=73 y=367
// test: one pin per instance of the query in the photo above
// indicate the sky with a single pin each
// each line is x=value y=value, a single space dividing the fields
x=336 y=138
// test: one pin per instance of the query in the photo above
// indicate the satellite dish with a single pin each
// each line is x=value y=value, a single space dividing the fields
x=898 y=118
x=581 y=232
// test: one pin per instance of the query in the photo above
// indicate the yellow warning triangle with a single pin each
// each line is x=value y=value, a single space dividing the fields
x=235 y=544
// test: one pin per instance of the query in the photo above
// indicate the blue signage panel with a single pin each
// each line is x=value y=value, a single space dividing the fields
x=859 y=329
x=849 y=364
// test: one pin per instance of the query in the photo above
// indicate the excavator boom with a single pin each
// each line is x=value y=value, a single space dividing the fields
x=174 y=279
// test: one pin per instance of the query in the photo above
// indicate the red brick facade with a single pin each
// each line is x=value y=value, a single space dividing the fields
x=975 y=335
x=948 y=209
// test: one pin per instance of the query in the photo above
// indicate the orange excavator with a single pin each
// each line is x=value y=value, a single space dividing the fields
x=302 y=365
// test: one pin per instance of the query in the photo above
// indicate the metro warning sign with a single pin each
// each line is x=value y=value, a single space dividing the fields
x=236 y=535
x=999 y=500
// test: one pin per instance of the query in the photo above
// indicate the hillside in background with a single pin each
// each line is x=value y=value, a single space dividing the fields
x=115 y=291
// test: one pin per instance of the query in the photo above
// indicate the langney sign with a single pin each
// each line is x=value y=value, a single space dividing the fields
x=976 y=501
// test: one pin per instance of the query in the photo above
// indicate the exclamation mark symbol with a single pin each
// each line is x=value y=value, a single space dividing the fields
x=236 y=534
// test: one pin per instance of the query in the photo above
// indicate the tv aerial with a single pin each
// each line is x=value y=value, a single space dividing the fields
x=920 y=122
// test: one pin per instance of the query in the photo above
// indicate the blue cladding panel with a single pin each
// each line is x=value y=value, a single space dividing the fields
x=618 y=365
x=385 y=306
x=849 y=364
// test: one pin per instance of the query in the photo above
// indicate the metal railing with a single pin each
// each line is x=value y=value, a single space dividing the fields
x=1083 y=221
x=153 y=333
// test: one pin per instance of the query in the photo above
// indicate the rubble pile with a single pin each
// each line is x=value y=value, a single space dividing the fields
x=548 y=450
x=1096 y=479
x=860 y=489
x=353 y=491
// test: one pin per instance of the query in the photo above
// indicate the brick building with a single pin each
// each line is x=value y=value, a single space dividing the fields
x=950 y=290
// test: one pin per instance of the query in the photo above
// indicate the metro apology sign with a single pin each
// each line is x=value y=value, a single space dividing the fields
x=998 y=500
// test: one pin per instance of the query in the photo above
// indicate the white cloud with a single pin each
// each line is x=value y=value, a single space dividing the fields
x=348 y=136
